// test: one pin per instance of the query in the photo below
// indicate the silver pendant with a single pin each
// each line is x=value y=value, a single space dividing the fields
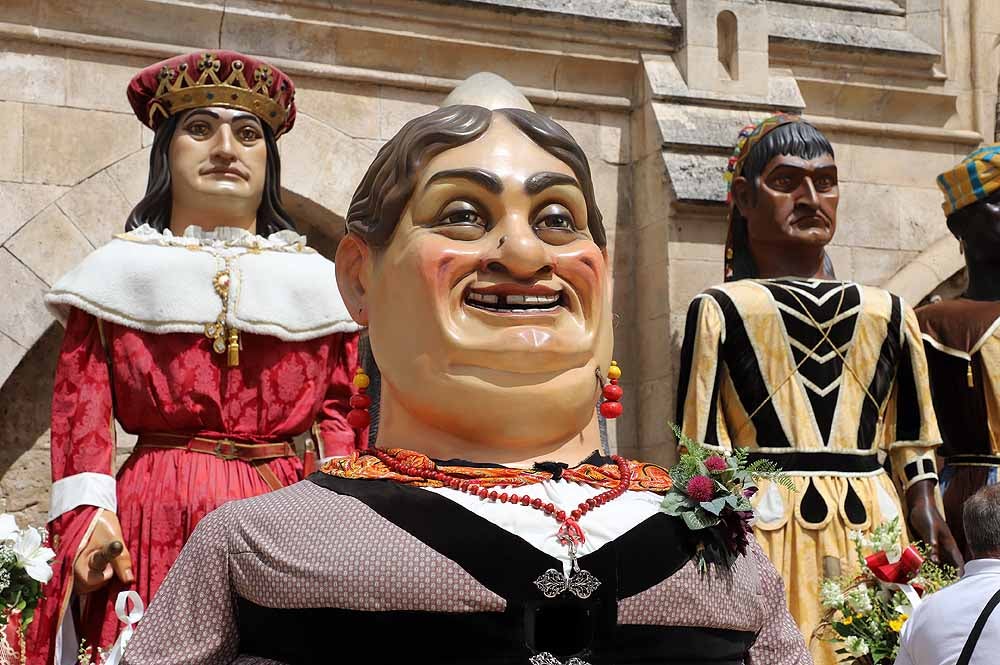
x=545 y=658
x=579 y=582
x=553 y=583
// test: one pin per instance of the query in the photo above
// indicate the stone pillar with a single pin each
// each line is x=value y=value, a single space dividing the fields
x=725 y=46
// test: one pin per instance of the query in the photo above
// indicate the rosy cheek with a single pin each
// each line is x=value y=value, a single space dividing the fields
x=440 y=263
x=584 y=267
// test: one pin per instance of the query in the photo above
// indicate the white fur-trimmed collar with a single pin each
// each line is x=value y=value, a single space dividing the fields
x=161 y=283
x=219 y=237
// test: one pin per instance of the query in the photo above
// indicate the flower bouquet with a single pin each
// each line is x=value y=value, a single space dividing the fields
x=711 y=492
x=24 y=568
x=865 y=614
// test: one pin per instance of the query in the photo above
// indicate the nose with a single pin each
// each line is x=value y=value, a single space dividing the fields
x=521 y=254
x=222 y=147
x=809 y=196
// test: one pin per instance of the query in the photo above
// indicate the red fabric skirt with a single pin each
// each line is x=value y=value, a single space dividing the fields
x=162 y=495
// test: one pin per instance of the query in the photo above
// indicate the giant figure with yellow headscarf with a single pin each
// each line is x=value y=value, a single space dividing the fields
x=962 y=340
x=819 y=375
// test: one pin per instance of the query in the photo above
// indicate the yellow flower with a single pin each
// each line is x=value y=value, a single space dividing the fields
x=847 y=621
x=897 y=623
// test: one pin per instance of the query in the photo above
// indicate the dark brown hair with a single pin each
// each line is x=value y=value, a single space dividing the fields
x=154 y=208
x=380 y=199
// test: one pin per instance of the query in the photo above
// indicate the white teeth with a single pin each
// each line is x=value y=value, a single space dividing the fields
x=487 y=298
x=514 y=301
x=539 y=300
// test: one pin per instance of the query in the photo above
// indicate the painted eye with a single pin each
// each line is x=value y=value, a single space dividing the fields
x=464 y=217
x=199 y=129
x=249 y=134
x=461 y=220
x=825 y=183
x=554 y=224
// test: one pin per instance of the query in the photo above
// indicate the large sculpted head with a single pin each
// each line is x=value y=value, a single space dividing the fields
x=784 y=194
x=476 y=257
x=216 y=117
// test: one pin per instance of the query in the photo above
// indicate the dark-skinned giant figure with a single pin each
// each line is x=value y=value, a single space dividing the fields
x=961 y=339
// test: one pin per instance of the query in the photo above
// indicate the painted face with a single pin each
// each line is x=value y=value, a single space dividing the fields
x=796 y=202
x=981 y=231
x=218 y=157
x=490 y=303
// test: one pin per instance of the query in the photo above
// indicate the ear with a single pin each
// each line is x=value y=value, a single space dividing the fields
x=743 y=195
x=611 y=273
x=352 y=266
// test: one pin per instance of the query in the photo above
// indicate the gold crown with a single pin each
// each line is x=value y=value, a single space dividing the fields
x=179 y=90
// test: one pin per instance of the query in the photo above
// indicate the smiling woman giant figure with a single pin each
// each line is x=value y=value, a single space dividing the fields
x=208 y=329
x=484 y=527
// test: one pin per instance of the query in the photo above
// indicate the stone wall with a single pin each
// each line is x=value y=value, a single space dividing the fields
x=79 y=158
x=897 y=85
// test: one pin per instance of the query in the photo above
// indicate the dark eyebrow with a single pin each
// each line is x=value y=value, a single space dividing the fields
x=483 y=178
x=236 y=118
x=247 y=116
x=200 y=111
x=546 y=179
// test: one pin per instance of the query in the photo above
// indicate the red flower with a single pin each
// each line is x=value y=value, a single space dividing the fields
x=701 y=488
x=716 y=463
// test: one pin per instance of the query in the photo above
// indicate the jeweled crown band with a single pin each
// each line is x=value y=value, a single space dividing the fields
x=214 y=78
x=263 y=107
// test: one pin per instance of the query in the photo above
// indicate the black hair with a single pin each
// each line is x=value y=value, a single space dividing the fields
x=794 y=139
x=154 y=208
x=387 y=186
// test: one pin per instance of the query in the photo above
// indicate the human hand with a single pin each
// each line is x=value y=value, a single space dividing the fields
x=102 y=556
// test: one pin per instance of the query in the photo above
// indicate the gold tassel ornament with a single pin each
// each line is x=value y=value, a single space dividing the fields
x=234 y=347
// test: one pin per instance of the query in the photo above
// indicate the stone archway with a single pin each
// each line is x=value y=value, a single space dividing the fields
x=321 y=166
x=936 y=264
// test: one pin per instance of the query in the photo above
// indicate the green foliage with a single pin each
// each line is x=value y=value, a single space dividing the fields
x=733 y=480
x=22 y=595
x=865 y=616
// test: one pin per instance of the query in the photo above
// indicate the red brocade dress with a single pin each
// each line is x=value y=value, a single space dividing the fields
x=169 y=387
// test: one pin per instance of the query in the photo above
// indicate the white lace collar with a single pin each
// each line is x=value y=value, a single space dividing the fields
x=219 y=237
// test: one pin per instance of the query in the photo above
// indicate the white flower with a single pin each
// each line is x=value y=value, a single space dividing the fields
x=8 y=528
x=859 y=600
x=830 y=594
x=7 y=556
x=32 y=556
x=4 y=579
x=894 y=552
x=856 y=646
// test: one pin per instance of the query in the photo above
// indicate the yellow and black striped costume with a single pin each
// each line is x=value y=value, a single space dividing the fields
x=823 y=377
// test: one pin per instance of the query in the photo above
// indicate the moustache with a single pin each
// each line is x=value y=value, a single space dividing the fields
x=800 y=214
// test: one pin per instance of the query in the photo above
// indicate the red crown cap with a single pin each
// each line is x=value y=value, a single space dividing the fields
x=213 y=78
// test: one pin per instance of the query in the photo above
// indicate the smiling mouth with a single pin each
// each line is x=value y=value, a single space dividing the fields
x=515 y=303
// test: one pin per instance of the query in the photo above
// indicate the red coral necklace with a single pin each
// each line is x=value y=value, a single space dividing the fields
x=551 y=583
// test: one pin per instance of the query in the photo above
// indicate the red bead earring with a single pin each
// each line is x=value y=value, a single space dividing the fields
x=358 y=417
x=611 y=407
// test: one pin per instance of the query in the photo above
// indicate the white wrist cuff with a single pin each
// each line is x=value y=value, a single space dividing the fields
x=83 y=489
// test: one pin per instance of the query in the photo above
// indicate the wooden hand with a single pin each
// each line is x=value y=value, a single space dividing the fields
x=929 y=526
x=103 y=555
